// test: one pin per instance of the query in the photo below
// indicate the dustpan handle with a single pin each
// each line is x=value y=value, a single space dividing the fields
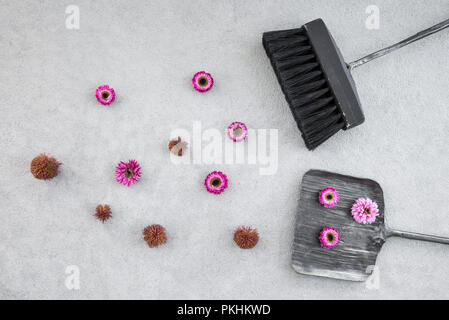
x=381 y=53
x=417 y=236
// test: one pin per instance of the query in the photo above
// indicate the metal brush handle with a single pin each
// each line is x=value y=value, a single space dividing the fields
x=417 y=236
x=381 y=53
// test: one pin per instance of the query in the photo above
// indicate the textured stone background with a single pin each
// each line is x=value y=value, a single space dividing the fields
x=148 y=51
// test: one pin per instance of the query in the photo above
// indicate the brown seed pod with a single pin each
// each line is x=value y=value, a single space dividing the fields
x=44 y=167
x=177 y=146
x=154 y=235
x=245 y=237
x=103 y=213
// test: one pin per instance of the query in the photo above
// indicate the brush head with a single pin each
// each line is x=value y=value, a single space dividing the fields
x=315 y=80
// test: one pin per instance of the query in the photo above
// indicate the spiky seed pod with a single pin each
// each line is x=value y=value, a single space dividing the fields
x=177 y=146
x=154 y=235
x=44 y=167
x=103 y=213
x=245 y=237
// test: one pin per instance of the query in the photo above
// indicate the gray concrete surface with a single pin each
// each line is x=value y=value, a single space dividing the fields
x=148 y=51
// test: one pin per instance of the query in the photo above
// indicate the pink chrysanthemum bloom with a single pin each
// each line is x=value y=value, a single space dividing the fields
x=237 y=131
x=329 y=237
x=329 y=197
x=216 y=182
x=202 y=81
x=127 y=173
x=105 y=95
x=365 y=211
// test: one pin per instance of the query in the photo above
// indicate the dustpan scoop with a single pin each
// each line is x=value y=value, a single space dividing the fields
x=355 y=255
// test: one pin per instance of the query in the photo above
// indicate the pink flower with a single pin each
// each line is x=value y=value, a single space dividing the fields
x=329 y=237
x=216 y=182
x=202 y=81
x=329 y=197
x=105 y=95
x=237 y=131
x=127 y=173
x=365 y=211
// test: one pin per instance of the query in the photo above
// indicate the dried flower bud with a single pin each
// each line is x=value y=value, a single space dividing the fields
x=245 y=237
x=154 y=235
x=44 y=167
x=103 y=213
x=177 y=146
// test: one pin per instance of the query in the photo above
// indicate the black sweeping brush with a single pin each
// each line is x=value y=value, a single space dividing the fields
x=317 y=82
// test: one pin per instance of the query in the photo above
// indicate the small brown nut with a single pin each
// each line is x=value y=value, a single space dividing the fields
x=177 y=146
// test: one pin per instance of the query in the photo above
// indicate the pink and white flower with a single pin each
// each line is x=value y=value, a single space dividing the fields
x=329 y=197
x=127 y=173
x=105 y=95
x=365 y=211
x=329 y=237
x=216 y=182
x=237 y=131
x=202 y=81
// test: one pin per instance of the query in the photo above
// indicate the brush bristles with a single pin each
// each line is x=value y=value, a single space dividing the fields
x=304 y=85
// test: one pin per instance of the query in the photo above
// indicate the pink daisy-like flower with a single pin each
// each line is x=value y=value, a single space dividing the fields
x=202 y=81
x=329 y=197
x=237 y=131
x=127 y=173
x=105 y=95
x=329 y=237
x=365 y=211
x=216 y=182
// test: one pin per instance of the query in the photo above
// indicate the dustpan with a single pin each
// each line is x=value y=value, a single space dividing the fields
x=355 y=256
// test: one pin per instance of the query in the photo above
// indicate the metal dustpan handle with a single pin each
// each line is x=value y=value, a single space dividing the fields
x=417 y=236
x=441 y=26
